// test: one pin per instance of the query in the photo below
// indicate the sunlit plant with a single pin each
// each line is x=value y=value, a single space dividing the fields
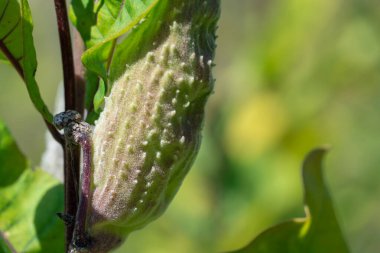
x=146 y=74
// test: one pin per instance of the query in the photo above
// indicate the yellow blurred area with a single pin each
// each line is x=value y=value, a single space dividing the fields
x=256 y=126
x=291 y=75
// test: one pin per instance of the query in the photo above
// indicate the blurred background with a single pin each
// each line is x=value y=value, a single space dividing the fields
x=291 y=75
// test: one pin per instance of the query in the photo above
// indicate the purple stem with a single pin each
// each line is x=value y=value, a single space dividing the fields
x=71 y=162
x=66 y=54
x=80 y=235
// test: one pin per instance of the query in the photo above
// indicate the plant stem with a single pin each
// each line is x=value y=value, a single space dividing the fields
x=11 y=59
x=71 y=157
x=15 y=63
x=80 y=233
x=66 y=54
x=71 y=168
x=56 y=135
x=79 y=71
x=7 y=242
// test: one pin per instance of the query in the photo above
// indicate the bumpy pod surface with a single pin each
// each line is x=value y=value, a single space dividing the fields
x=149 y=132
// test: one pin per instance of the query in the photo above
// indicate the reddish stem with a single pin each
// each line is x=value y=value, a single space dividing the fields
x=12 y=59
x=71 y=159
x=66 y=54
x=80 y=233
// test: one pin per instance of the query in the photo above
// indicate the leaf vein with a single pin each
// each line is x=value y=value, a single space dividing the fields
x=11 y=58
x=12 y=29
x=5 y=8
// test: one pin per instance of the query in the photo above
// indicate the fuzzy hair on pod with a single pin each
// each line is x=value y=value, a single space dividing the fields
x=147 y=137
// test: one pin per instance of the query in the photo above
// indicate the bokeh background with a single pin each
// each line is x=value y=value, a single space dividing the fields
x=291 y=75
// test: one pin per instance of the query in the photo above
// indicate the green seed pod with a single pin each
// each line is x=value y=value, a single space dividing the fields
x=149 y=132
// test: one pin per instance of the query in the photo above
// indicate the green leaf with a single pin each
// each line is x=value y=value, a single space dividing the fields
x=107 y=20
x=99 y=96
x=139 y=41
x=82 y=14
x=10 y=33
x=116 y=18
x=92 y=81
x=16 y=45
x=12 y=162
x=101 y=25
x=29 y=202
x=318 y=232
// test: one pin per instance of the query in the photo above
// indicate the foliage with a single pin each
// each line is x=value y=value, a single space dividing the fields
x=299 y=65
x=101 y=25
x=29 y=202
x=318 y=230
x=16 y=43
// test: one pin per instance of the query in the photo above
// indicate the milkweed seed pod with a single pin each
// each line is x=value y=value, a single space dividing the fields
x=149 y=132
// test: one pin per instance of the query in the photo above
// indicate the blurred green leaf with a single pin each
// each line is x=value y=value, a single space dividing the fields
x=16 y=45
x=29 y=201
x=319 y=231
